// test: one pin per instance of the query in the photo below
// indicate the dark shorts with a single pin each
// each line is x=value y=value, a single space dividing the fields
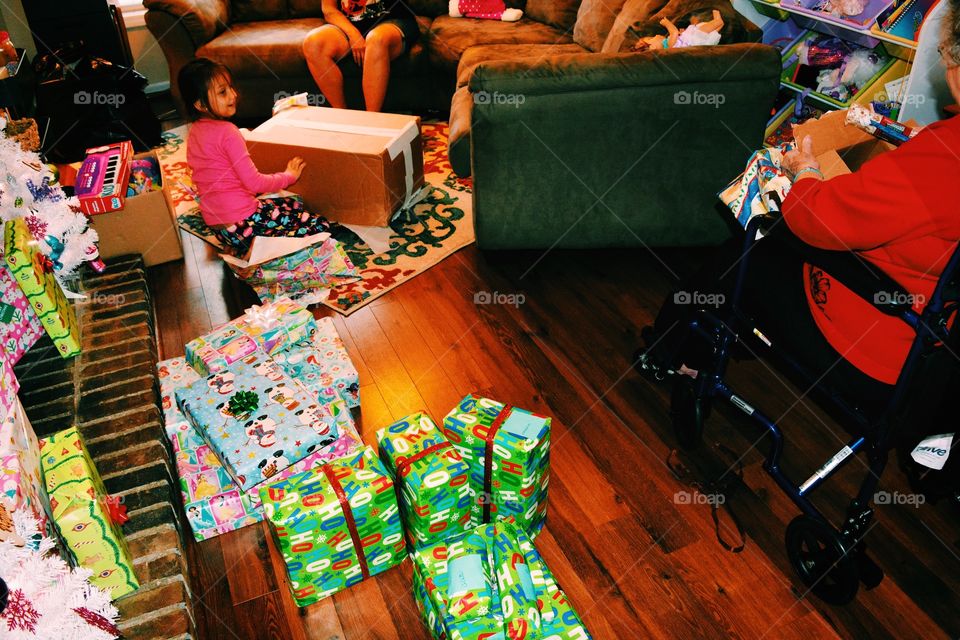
x=408 y=27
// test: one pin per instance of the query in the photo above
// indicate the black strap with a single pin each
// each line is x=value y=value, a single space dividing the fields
x=720 y=487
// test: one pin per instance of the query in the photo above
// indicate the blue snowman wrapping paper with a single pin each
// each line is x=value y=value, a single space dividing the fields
x=256 y=418
x=320 y=362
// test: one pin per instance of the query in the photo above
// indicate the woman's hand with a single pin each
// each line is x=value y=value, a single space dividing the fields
x=799 y=159
x=358 y=46
x=295 y=168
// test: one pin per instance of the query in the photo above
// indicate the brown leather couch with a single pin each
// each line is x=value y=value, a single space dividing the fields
x=260 y=40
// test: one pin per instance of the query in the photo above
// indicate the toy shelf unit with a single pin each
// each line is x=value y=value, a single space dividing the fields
x=902 y=69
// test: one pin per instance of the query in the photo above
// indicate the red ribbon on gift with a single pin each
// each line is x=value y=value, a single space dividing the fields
x=403 y=464
x=116 y=511
x=348 y=516
x=487 y=497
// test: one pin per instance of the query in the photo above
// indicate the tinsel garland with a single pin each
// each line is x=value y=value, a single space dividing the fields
x=30 y=189
x=46 y=598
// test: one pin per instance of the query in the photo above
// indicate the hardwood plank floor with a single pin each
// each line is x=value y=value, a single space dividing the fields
x=635 y=560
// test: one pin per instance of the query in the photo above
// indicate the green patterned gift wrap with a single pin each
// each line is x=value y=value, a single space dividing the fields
x=508 y=451
x=491 y=583
x=435 y=495
x=41 y=288
x=335 y=525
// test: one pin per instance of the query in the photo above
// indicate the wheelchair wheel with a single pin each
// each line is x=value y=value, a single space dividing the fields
x=688 y=412
x=826 y=563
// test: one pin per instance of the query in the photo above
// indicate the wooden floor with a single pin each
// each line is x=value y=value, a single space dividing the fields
x=635 y=560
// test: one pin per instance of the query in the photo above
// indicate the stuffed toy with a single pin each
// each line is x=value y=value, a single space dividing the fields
x=699 y=33
x=484 y=9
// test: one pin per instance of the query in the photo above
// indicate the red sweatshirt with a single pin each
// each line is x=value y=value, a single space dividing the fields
x=900 y=212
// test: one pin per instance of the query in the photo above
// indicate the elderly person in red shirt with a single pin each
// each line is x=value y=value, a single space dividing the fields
x=897 y=212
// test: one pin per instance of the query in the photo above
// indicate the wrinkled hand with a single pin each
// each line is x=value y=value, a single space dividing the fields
x=358 y=46
x=795 y=161
x=295 y=168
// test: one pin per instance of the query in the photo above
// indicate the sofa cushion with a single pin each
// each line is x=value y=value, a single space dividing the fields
x=595 y=18
x=305 y=8
x=636 y=17
x=262 y=49
x=205 y=19
x=430 y=8
x=450 y=37
x=474 y=56
x=561 y=14
x=251 y=10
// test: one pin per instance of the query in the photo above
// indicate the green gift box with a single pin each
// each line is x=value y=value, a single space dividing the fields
x=508 y=451
x=491 y=583
x=41 y=288
x=335 y=525
x=87 y=518
x=435 y=495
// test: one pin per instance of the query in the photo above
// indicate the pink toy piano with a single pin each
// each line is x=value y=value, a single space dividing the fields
x=101 y=184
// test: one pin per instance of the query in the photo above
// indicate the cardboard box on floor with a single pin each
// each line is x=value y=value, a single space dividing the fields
x=145 y=225
x=839 y=147
x=361 y=166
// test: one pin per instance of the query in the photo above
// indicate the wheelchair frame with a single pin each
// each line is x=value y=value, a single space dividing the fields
x=831 y=562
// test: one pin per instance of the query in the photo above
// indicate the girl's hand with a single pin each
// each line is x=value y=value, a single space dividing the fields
x=295 y=168
x=795 y=161
x=358 y=45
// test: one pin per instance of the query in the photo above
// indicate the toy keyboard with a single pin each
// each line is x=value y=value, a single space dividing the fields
x=101 y=183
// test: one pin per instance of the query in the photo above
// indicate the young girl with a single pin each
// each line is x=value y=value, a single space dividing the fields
x=223 y=173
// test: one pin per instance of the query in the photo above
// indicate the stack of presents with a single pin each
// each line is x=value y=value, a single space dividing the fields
x=258 y=412
x=53 y=479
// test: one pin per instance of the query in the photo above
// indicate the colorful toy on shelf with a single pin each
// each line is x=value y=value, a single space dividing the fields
x=880 y=126
x=836 y=71
x=144 y=176
x=101 y=183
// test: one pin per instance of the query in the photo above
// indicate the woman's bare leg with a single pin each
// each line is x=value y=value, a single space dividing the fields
x=322 y=48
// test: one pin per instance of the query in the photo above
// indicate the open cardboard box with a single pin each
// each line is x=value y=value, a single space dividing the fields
x=144 y=225
x=361 y=167
x=839 y=147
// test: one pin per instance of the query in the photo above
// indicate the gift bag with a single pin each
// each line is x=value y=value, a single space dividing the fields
x=20 y=328
x=435 y=496
x=508 y=452
x=335 y=525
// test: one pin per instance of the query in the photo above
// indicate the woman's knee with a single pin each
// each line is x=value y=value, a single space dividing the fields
x=384 y=41
x=324 y=42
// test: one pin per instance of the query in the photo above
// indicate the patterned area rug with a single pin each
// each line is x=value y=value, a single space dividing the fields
x=440 y=224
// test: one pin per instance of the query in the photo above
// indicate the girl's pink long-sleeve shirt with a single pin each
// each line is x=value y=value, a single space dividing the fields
x=223 y=173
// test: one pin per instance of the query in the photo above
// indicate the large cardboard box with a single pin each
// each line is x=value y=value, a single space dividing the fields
x=145 y=225
x=361 y=167
x=839 y=147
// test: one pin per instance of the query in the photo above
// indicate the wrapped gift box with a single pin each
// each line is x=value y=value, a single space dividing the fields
x=508 y=450
x=256 y=419
x=435 y=496
x=9 y=387
x=263 y=329
x=20 y=328
x=321 y=363
x=41 y=288
x=335 y=525
x=21 y=482
x=491 y=583
x=85 y=515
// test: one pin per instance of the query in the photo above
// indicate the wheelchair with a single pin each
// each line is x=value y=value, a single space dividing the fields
x=830 y=561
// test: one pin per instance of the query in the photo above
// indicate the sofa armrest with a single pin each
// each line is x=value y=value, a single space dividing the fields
x=202 y=19
x=605 y=71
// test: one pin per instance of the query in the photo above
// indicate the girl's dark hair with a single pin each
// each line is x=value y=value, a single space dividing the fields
x=194 y=81
x=702 y=15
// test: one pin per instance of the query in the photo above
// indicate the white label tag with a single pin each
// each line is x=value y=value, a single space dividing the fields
x=933 y=452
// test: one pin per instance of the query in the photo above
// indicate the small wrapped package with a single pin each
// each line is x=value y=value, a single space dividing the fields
x=508 y=451
x=262 y=329
x=41 y=288
x=20 y=328
x=491 y=583
x=256 y=419
x=335 y=525
x=320 y=362
x=435 y=496
x=87 y=518
x=21 y=482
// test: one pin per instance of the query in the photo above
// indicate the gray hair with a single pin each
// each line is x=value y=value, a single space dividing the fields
x=950 y=41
